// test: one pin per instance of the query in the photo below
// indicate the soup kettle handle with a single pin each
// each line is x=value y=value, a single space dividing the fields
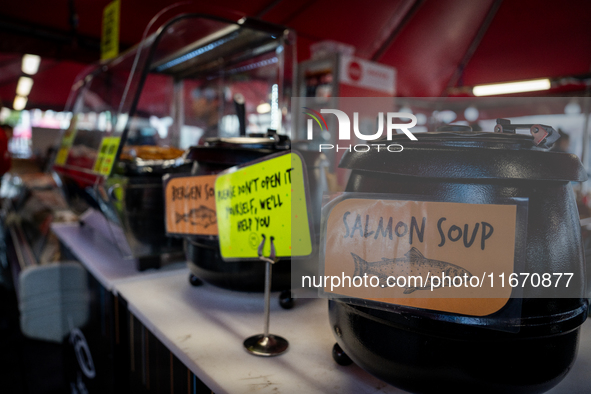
x=544 y=136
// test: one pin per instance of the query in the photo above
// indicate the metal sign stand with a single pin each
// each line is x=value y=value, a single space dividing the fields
x=266 y=345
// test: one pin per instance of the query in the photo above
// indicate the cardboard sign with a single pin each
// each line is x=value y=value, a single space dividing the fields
x=190 y=205
x=110 y=31
x=264 y=198
x=408 y=239
x=106 y=155
x=67 y=142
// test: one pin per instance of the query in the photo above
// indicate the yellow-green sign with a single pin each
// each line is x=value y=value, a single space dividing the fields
x=267 y=198
x=110 y=31
x=67 y=142
x=106 y=155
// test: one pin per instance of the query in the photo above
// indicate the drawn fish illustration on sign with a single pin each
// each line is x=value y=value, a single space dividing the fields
x=201 y=216
x=412 y=264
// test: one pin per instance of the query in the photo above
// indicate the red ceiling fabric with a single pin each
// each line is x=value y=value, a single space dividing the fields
x=51 y=84
x=429 y=48
x=526 y=39
x=530 y=39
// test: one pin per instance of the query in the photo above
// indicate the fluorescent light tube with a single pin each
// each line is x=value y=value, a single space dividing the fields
x=19 y=103
x=23 y=88
x=30 y=64
x=511 y=87
x=263 y=108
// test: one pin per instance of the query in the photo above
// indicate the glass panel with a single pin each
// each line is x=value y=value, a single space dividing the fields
x=195 y=77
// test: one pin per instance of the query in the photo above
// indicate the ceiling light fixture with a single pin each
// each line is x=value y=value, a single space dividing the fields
x=511 y=87
x=23 y=88
x=263 y=108
x=30 y=64
x=19 y=103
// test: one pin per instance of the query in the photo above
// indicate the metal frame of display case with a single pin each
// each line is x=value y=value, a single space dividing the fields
x=216 y=52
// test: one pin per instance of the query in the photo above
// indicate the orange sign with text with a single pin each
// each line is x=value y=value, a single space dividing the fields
x=190 y=205
x=424 y=254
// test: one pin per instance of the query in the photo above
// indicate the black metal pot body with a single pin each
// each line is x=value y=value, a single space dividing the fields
x=142 y=210
x=203 y=254
x=417 y=350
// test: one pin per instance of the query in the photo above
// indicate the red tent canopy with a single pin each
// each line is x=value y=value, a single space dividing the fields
x=434 y=44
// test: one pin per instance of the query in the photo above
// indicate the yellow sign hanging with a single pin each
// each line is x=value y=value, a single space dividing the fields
x=110 y=31
x=67 y=142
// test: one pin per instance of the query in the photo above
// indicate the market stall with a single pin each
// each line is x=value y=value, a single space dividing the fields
x=221 y=218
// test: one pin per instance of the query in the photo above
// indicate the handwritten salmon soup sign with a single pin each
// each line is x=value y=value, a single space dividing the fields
x=415 y=250
x=190 y=205
x=267 y=198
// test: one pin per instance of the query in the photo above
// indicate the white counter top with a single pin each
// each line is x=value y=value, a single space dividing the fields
x=90 y=243
x=102 y=259
x=205 y=327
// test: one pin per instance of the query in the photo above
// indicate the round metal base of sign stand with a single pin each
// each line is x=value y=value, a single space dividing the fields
x=266 y=346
